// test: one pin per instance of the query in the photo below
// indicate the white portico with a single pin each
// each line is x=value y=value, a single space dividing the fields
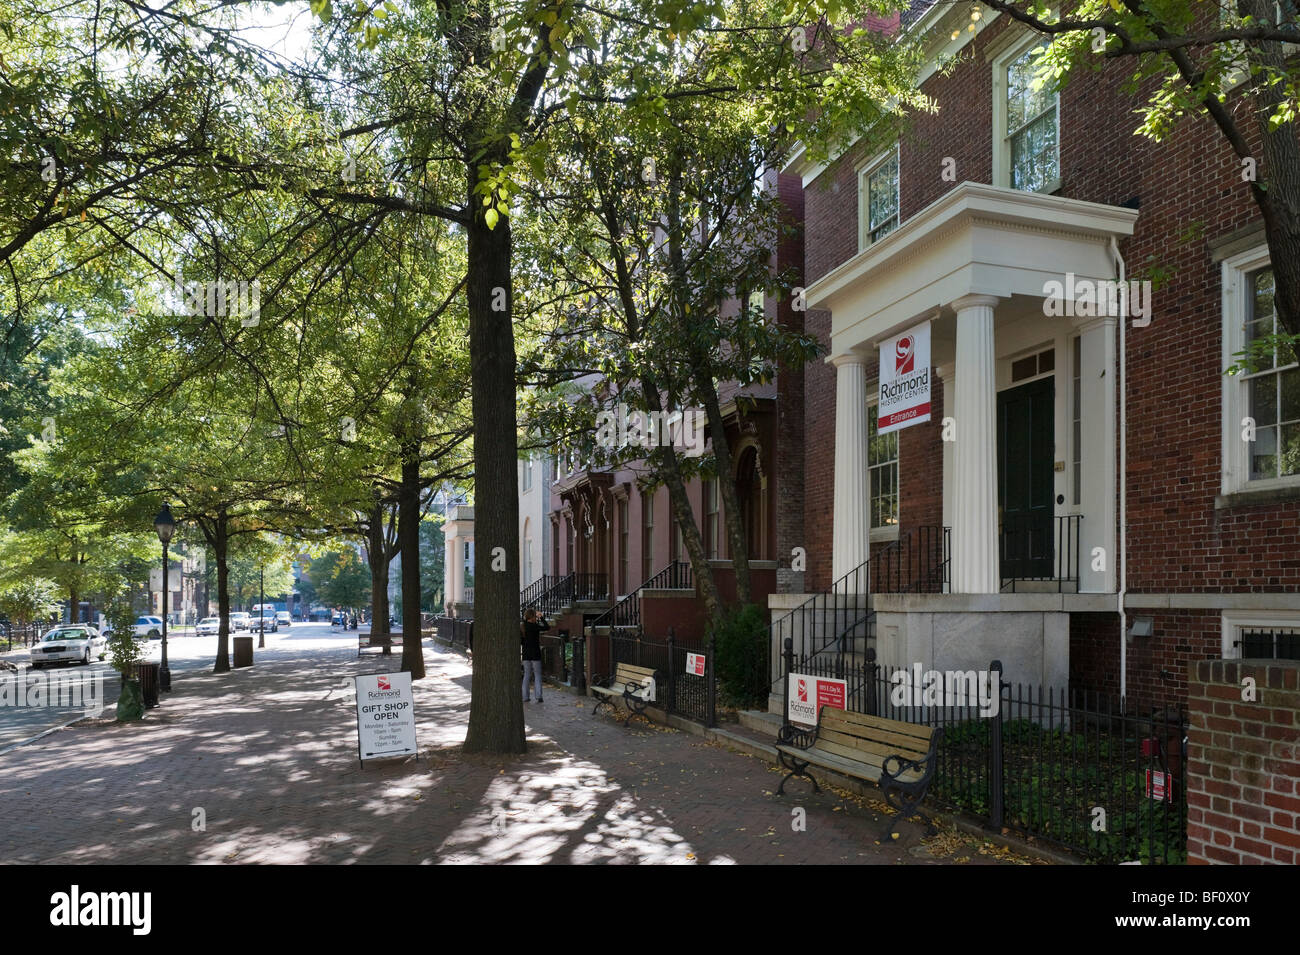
x=1029 y=475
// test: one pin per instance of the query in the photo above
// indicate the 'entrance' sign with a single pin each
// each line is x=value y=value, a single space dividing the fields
x=385 y=715
x=904 y=380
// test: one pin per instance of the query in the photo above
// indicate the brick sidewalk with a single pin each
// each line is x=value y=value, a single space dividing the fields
x=269 y=757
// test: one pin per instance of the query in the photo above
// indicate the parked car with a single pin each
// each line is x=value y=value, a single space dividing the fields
x=241 y=620
x=283 y=618
x=264 y=621
x=68 y=644
x=209 y=626
x=150 y=627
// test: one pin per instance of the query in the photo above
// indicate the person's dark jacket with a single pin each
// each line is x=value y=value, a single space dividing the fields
x=532 y=638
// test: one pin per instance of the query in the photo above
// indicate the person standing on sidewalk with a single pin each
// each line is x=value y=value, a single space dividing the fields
x=531 y=637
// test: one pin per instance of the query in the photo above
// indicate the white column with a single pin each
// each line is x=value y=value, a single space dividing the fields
x=852 y=528
x=975 y=499
x=449 y=568
x=1097 y=423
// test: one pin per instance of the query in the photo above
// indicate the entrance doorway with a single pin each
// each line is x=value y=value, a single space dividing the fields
x=1026 y=445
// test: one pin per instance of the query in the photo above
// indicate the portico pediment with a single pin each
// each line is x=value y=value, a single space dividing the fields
x=977 y=239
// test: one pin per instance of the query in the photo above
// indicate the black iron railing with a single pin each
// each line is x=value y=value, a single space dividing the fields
x=685 y=681
x=831 y=630
x=1269 y=644
x=552 y=593
x=453 y=631
x=1033 y=548
x=590 y=586
x=533 y=594
x=24 y=636
x=627 y=612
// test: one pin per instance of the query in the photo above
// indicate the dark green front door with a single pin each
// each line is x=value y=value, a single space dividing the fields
x=1026 y=445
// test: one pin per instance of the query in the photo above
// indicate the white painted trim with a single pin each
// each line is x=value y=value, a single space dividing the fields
x=1234 y=621
x=1235 y=400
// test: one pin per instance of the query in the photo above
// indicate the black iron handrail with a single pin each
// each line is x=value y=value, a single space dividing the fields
x=825 y=629
x=1026 y=544
x=627 y=612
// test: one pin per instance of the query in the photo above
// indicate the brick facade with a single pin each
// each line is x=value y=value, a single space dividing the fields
x=1243 y=764
x=1190 y=196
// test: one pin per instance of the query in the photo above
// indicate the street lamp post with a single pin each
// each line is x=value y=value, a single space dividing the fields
x=165 y=526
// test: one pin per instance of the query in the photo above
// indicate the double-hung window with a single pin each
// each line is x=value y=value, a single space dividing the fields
x=882 y=463
x=1026 y=116
x=1261 y=427
x=878 y=198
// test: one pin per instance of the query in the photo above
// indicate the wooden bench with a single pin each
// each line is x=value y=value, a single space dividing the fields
x=899 y=757
x=634 y=685
x=364 y=642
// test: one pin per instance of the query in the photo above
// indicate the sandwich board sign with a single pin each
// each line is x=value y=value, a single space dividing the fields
x=808 y=694
x=385 y=715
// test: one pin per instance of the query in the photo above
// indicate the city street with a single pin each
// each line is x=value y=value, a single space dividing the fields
x=260 y=765
x=185 y=653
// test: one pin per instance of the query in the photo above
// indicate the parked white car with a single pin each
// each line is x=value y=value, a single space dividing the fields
x=150 y=627
x=209 y=626
x=71 y=643
x=240 y=620
x=264 y=621
x=283 y=618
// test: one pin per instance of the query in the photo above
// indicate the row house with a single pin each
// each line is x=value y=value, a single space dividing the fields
x=1084 y=502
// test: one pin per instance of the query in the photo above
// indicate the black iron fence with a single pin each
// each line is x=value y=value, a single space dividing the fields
x=685 y=681
x=12 y=637
x=1076 y=768
x=453 y=631
x=1040 y=548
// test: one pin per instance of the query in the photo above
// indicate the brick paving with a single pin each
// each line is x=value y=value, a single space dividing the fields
x=266 y=759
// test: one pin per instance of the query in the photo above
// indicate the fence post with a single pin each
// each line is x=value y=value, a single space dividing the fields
x=580 y=663
x=787 y=653
x=995 y=751
x=671 y=701
x=711 y=715
x=869 y=675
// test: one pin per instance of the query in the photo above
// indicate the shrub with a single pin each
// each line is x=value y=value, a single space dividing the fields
x=123 y=649
x=740 y=657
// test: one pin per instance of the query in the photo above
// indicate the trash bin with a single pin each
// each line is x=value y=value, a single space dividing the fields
x=149 y=675
x=243 y=651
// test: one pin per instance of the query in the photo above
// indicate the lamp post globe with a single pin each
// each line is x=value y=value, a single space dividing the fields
x=165 y=526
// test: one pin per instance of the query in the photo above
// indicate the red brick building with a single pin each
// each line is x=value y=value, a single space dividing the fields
x=1107 y=517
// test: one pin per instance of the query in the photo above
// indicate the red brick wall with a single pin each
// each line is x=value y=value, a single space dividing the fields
x=1243 y=764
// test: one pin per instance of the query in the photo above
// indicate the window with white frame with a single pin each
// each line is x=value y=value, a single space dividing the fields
x=1261 y=635
x=1274 y=388
x=1026 y=116
x=878 y=199
x=1261 y=446
x=528 y=474
x=882 y=465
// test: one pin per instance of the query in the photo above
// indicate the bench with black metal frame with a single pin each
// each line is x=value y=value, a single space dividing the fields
x=634 y=685
x=365 y=641
x=899 y=757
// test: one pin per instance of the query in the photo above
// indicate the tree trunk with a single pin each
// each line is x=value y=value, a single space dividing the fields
x=496 y=715
x=408 y=533
x=74 y=601
x=737 y=540
x=220 y=542
x=377 y=558
x=670 y=470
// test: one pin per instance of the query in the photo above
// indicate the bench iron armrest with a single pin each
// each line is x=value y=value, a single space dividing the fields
x=923 y=766
x=791 y=735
